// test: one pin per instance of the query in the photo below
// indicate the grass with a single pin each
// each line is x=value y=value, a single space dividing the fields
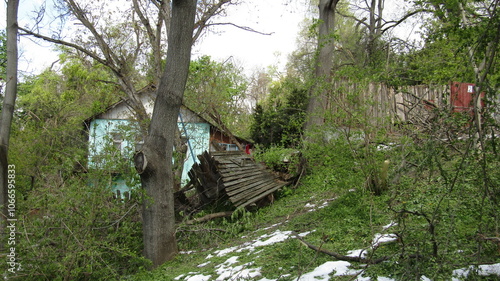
x=332 y=204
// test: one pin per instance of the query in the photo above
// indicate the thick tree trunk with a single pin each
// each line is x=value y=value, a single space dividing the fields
x=154 y=163
x=324 y=64
x=8 y=105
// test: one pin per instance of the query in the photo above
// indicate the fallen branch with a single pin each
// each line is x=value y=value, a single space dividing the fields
x=210 y=217
x=201 y=230
x=339 y=256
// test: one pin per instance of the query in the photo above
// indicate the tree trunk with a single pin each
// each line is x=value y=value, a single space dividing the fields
x=8 y=106
x=324 y=64
x=154 y=162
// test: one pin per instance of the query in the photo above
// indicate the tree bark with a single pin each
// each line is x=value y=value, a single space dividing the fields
x=324 y=63
x=8 y=106
x=156 y=175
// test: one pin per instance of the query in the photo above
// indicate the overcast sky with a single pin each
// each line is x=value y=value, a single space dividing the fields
x=280 y=18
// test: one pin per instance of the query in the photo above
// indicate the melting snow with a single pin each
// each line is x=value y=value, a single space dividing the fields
x=322 y=272
x=231 y=270
x=357 y=253
x=383 y=238
x=482 y=270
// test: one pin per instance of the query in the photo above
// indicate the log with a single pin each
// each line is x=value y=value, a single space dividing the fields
x=210 y=217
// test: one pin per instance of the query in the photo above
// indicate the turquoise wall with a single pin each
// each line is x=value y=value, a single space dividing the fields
x=101 y=145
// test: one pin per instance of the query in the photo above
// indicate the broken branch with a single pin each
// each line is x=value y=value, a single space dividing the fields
x=210 y=217
x=339 y=256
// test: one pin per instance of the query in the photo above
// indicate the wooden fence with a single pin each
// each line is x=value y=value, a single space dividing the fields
x=380 y=105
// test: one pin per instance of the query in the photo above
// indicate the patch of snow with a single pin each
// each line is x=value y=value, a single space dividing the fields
x=231 y=260
x=204 y=264
x=383 y=238
x=304 y=234
x=314 y=207
x=383 y=147
x=221 y=253
x=273 y=226
x=323 y=205
x=310 y=206
x=186 y=252
x=227 y=271
x=482 y=270
x=277 y=236
x=357 y=253
x=384 y=279
x=199 y=277
x=322 y=272
x=391 y=224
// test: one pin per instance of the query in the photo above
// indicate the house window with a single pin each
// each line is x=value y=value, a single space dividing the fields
x=228 y=146
x=117 y=141
x=138 y=145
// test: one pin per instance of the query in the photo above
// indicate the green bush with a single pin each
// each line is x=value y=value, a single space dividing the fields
x=79 y=231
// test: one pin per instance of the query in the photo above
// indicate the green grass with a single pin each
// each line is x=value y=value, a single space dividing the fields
x=349 y=218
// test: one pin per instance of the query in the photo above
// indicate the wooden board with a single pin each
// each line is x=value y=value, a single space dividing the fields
x=232 y=175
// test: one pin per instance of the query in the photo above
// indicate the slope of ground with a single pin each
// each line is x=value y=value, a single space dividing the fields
x=392 y=235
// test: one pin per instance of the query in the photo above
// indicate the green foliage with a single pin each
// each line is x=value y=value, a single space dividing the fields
x=218 y=88
x=3 y=54
x=79 y=231
x=280 y=118
x=71 y=226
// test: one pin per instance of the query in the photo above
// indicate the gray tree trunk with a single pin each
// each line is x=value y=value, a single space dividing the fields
x=8 y=105
x=324 y=63
x=154 y=162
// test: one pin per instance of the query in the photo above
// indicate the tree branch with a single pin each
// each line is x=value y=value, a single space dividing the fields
x=210 y=217
x=117 y=221
x=68 y=44
x=405 y=17
x=339 y=256
x=246 y=28
x=81 y=15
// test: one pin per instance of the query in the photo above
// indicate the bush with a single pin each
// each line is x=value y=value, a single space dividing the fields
x=79 y=231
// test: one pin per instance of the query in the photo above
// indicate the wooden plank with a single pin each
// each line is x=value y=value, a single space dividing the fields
x=242 y=175
x=230 y=172
x=254 y=177
x=243 y=187
x=250 y=192
x=243 y=203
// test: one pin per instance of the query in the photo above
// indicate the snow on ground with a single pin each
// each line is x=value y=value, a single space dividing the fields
x=233 y=270
x=322 y=272
x=482 y=270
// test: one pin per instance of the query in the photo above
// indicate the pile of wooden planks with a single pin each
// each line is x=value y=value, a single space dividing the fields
x=234 y=176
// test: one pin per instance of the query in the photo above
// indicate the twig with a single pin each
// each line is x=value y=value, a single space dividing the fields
x=339 y=256
x=117 y=221
x=200 y=230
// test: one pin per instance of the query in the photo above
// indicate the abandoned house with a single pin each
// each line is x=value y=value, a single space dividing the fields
x=113 y=133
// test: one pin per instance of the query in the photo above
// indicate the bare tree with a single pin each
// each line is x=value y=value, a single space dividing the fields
x=8 y=105
x=123 y=46
x=369 y=15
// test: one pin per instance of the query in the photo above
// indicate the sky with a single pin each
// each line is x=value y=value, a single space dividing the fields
x=279 y=18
